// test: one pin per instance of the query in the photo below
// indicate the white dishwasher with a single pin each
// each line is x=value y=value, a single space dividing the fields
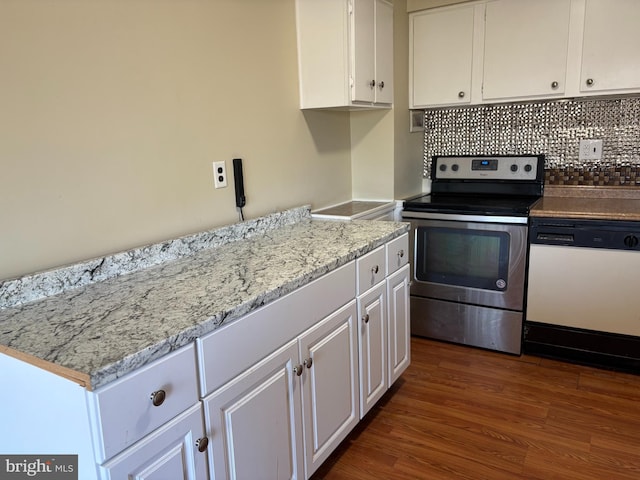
x=583 y=292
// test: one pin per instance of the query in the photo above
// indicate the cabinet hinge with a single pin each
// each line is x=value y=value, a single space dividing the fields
x=350 y=7
x=351 y=81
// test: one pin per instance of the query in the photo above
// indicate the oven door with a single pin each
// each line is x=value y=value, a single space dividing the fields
x=469 y=259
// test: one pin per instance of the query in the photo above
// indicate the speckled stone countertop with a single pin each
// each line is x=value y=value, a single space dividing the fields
x=103 y=330
x=598 y=203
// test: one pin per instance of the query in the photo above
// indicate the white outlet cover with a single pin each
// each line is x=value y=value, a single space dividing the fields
x=590 y=150
x=219 y=174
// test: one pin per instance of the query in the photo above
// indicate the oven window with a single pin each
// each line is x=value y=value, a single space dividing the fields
x=468 y=258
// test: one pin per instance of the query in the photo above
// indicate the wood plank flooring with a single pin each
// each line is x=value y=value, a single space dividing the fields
x=465 y=413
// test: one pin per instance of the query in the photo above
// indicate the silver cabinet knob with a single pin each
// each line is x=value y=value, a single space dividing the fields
x=554 y=85
x=158 y=397
x=308 y=362
x=365 y=318
x=589 y=82
x=202 y=444
x=461 y=94
x=375 y=269
x=297 y=370
x=381 y=85
x=401 y=253
x=372 y=83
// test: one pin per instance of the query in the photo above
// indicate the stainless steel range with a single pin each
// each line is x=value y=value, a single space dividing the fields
x=469 y=249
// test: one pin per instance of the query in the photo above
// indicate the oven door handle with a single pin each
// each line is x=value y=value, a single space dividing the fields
x=408 y=215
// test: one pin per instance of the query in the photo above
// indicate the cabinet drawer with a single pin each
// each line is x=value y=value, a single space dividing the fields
x=124 y=410
x=397 y=253
x=371 y=269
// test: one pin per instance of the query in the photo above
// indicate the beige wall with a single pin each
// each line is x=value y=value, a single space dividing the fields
x=408 y=147
x=386 y=159
x=112 y=112
x=372 y=158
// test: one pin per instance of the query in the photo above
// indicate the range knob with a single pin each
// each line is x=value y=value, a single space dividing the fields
x=443 y=167
x=514 y=168
x=454 y=167
x=528 y=167
x=631 y=241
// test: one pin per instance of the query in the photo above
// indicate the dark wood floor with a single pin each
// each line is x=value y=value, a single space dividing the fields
x=464 y=413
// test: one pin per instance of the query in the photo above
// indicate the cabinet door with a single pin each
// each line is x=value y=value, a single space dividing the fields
x=372 y=343
x=399 y=323
x=363 y=51
x=255 y=421
x=169 y=452
x=329 y=384
x=384 y=52
x=611 y=46
x=525 y=48
x=441 y=56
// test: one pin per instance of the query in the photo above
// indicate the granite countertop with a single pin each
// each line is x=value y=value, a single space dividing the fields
x=100 y=331
x=598 y=203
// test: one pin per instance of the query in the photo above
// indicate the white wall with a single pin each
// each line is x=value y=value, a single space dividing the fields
x=111 y=112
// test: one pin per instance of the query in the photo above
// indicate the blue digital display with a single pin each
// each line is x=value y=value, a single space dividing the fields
x=484 y=164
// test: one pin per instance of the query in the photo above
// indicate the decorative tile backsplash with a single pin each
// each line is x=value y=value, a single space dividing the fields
x=553 y=128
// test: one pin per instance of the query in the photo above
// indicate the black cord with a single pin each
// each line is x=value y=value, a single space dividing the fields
x=241 y=214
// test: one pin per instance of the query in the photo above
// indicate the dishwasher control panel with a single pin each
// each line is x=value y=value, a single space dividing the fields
x=617 y=235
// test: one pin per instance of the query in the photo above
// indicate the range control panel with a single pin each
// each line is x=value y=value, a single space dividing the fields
x=489 y=168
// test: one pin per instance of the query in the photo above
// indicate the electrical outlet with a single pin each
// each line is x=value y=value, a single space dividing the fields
x=590 y=150
x=219 y=174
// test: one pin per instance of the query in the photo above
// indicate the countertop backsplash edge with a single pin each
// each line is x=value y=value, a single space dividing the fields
x=44 y=284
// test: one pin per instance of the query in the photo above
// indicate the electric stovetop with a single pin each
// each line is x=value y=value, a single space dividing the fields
x=465 y=204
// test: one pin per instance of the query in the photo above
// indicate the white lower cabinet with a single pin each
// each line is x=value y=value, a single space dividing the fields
x=284 y=385
x=399 y=321
x=255 y=421
x=372 y=346
x=128 y=409
x=148 y=424
x=384 y=323
x=285 y=415
x=171 y=452
x=268 y=396
x=328 y=352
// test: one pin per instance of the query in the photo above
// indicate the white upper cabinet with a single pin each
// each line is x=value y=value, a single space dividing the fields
x=509 y=50
x=384 y=53
x=345 y=53
x=525 y=49
x=441 y=56
x=611 y=47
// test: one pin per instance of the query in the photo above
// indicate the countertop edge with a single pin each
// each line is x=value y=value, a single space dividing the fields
x=81 y=379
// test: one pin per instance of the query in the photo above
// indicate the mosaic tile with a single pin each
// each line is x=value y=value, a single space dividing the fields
x=552 y=128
